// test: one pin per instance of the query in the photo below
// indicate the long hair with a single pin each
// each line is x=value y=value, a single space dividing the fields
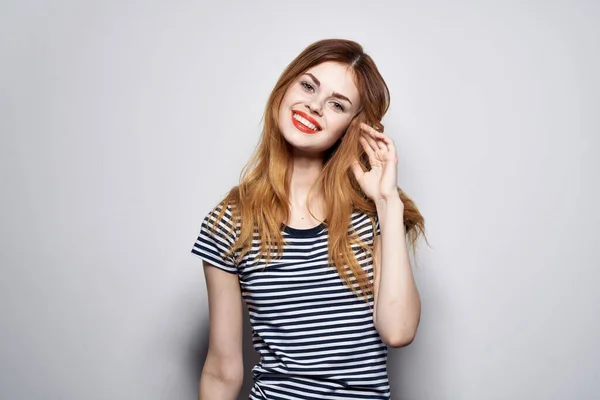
x=260 y=203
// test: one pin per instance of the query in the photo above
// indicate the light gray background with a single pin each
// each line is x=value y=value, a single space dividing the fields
x=123 y=122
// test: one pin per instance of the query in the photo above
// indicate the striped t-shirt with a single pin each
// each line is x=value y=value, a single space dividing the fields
x=315 y=337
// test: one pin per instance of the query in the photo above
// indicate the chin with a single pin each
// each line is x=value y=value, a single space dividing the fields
x=303 y=142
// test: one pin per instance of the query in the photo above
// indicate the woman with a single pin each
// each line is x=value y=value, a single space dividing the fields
x=313 y=241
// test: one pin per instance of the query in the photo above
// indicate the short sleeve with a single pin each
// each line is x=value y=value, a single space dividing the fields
x=213 y=245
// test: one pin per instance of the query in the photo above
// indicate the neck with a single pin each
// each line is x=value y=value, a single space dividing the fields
x=305 y=171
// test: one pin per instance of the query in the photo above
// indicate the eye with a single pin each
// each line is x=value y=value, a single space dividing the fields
x=307 y=86
x=338 y=106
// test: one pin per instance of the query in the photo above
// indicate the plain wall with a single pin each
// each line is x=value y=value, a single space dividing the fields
x=123 y=122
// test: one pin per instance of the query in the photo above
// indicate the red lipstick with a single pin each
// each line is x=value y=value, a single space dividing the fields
x=301 y=127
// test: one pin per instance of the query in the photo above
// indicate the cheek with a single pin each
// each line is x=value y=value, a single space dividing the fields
x=293 y=95
x=339 y=123
x=286 y=102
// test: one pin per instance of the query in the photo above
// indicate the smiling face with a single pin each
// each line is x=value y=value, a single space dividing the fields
x=318 y=107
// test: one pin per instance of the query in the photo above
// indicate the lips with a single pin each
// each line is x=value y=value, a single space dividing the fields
x=300 y=126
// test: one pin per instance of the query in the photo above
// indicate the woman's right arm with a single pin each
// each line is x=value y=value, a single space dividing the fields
x=223 y=370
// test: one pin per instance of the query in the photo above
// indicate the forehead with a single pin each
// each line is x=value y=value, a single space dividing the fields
x=336 y=77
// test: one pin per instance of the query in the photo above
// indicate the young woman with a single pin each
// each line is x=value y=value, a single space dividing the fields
x=313 y=241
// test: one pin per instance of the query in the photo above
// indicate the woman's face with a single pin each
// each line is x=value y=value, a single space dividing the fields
x=318 y=107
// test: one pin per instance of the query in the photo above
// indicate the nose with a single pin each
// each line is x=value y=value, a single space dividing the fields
x=315 y=107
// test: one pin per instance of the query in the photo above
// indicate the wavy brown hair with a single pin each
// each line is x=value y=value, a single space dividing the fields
x=260 y=203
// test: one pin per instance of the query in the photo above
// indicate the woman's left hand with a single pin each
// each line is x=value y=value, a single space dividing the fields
x=380 y=183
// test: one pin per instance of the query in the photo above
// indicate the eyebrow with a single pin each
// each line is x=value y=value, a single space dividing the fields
x=334 y=94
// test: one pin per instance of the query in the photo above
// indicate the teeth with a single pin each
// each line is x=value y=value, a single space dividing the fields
x=305 y=122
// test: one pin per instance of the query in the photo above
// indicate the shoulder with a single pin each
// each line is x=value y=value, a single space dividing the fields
x=366 y=225
x=215 y=242
x=361 y=220
x=221 y=211
x=222 y=219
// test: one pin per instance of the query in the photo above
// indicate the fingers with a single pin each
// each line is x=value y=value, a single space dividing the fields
x=374 y=133
x=376 y=141
x=371 y=143
x=391 y=147
x=369 y=149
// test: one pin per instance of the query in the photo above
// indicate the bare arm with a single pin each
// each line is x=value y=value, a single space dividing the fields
x=397 y=307
x=223 y=371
